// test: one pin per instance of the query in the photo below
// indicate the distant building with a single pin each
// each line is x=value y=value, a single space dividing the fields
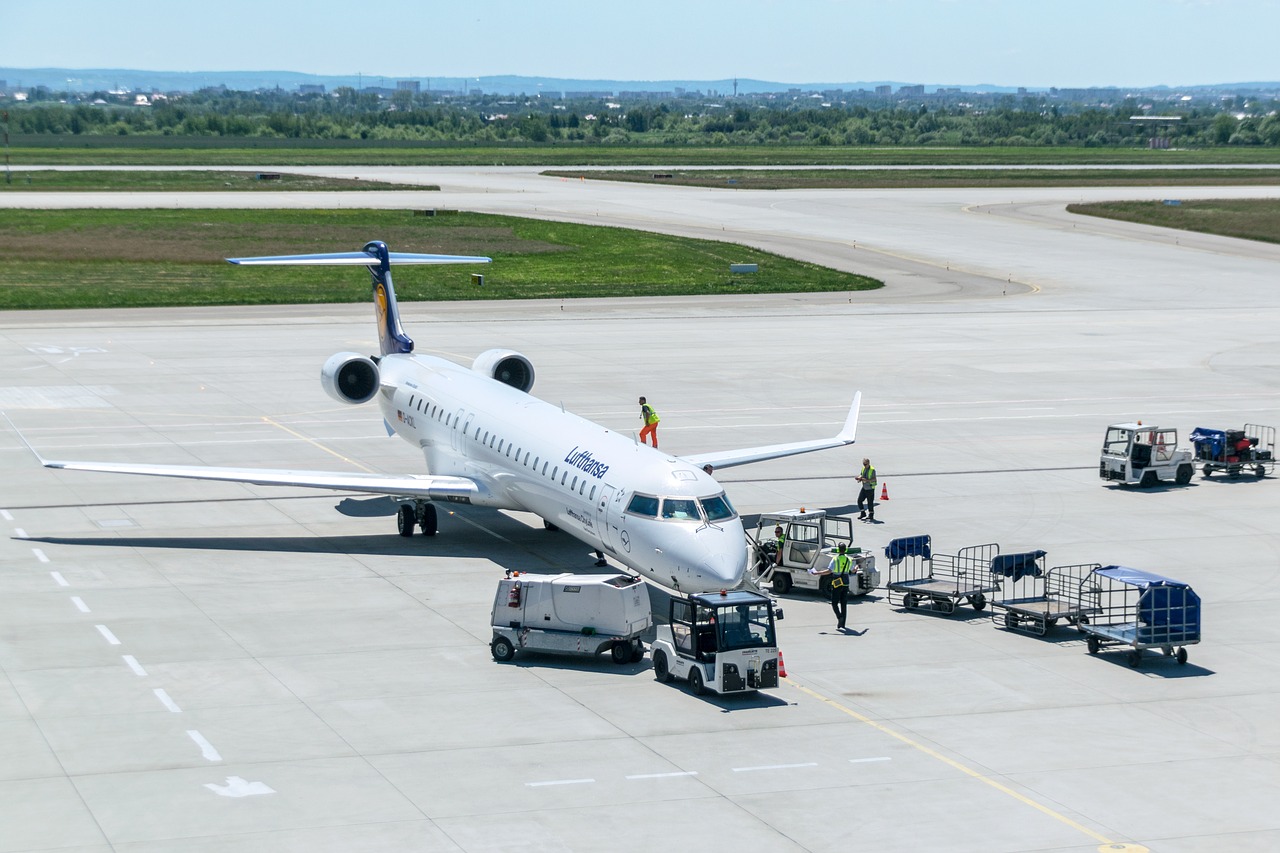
x=408 y=86
x=311 y=89
x=910 y=91
x=884 y=91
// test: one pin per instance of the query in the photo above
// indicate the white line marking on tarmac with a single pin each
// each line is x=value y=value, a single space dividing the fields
x=40 y=555
x=206 y=748
x=59 y=579
x=133 y=664
x=560 y=782
x=663 y=775
x=4 y=513
x=106 y=632
x=79 y=603
x=166 y=701
x=19 y=533
x=774 y=767
x=866 y=760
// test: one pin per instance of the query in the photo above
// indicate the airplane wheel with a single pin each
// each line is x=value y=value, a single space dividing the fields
x=1184 y=475
x=695 y=681
x=660 y=669
x=429 y=522
x=404 y=520
x=502 y=649
x=621 y=653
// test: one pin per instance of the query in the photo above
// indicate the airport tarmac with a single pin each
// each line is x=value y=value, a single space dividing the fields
x=202 y=666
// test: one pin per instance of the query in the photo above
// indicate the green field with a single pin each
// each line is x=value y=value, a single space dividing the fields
x=771 y=179
x=171 y=151
x=1250 y=219
x=112 y=258
x=195 y=180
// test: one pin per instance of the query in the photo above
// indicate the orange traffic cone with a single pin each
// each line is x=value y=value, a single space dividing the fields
x=782 y=666
x=884 y=491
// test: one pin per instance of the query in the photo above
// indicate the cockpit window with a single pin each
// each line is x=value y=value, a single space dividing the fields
x=683 y=509
x=717 y=508
x=646 y=505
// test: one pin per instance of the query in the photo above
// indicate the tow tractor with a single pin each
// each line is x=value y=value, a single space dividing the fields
x=1136 y=454
x=810 y=539
x=1236 y=450
x=721 y=642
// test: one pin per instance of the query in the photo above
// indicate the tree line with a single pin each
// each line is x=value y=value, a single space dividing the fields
x=412 y=118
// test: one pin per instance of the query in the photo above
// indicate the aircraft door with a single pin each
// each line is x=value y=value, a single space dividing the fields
x=602 y=516
x=457 y=435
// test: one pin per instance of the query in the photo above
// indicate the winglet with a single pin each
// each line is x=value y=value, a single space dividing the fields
x=23 y=439
x=851 y=423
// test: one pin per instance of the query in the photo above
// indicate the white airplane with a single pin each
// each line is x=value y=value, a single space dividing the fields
x=488 y=442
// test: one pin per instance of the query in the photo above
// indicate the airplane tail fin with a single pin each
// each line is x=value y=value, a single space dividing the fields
x=375 y=257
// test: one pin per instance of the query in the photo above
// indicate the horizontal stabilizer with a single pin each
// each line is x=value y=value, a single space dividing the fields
x=730 y=458
x=363 y=259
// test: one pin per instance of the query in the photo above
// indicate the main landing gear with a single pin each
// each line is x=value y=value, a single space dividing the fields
x=421 y=513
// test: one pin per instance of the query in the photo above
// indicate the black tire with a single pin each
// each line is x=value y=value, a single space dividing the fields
x=1233 y=473
x=910 y=600
x=1206 y=470
x=404 y=520
x=430 y=520
x=1149 y=480
x=1050 y=623
x=1081 y=621
x=502 y=649
x=695 y=680
x=1182 y=656
x=781 y=583
x=621 y=653
x=637 y=652
x=978 y=601
x=1094 y=645
x=660 y=669
x=945 y=605
x=1135 y=658
x=1260 y=471
x=1184 y=475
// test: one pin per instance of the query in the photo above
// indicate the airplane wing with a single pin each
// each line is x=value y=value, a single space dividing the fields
x=730 y=458
x=401 y=485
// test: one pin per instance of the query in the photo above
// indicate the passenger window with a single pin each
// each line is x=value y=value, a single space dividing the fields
x=574 y=485
x=645 y=505
x=564 y=477
x=680 y=509
x=593 y=493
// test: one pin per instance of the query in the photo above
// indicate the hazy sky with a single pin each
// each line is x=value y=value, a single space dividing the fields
x=1038 y=43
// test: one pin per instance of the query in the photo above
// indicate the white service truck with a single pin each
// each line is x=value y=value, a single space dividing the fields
x=570 y=614
x=1136 y=454
x=723 y=642
x=810 y=539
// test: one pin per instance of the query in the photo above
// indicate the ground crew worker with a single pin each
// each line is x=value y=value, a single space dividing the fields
x=841 y=570
x=650 y=419
x=781 y=539
x=867 y=477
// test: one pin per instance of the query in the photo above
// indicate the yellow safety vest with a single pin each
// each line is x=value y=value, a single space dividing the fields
x=652 y=416
x=869 y=477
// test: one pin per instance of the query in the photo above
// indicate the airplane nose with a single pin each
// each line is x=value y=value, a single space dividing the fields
x=727 y=569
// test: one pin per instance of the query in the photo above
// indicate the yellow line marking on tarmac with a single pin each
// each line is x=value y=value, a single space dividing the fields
x=1107 y=844
x=315 y=443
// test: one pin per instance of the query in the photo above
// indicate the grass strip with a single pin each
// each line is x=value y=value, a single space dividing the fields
x=1249 y=219
x=195 y=180
x=113 y=258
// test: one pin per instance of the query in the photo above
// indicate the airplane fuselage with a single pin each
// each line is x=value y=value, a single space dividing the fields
x=526 y=454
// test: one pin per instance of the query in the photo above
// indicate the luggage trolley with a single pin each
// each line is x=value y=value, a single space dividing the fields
x=917 y=574
x=1033 y=599
x=1141 y=610
x=1236 y=450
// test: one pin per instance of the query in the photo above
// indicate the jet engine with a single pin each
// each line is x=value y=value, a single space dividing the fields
x=349 y=377
x=507 y=366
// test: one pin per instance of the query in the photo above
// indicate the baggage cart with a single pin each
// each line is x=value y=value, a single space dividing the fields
x=1140 y=610
x=1236 y=450
x=918 y=576
x=1034 y=599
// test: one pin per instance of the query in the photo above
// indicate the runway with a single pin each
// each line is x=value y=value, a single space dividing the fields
x=210 y=667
